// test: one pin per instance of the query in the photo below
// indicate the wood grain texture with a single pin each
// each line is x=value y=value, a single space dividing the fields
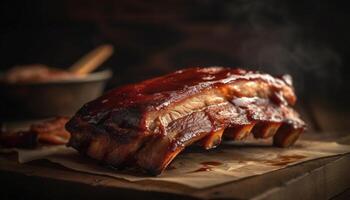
x=321 y=179
x=317 y=179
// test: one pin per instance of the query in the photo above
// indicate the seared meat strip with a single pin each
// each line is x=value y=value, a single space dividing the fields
x=147 y=124
x=50 y=131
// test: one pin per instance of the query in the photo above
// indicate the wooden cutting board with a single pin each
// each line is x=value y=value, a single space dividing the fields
x=318 y=179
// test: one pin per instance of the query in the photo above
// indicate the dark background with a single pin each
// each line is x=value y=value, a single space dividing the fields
x=309 y=40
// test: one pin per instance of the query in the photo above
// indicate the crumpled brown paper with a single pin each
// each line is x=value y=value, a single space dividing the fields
x=198 y=168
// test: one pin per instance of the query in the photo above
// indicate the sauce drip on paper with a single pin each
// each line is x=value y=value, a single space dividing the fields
x=285 y=160
x=207 y=166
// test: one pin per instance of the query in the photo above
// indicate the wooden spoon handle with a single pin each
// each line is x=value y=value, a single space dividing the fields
x=92 y=60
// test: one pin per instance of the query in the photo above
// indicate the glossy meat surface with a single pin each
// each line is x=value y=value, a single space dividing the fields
x=147 y=124
x=48 y=132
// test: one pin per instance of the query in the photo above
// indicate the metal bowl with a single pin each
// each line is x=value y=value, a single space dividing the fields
x=61 y=97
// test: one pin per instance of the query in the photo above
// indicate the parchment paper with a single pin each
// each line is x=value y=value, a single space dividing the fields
x=197 y=168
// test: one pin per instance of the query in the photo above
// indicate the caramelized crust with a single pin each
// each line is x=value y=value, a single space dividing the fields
x=147 y=124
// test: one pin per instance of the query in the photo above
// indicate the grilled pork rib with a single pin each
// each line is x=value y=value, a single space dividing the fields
x=147 y=124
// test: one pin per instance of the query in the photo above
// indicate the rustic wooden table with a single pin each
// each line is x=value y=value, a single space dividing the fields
x=318 y=179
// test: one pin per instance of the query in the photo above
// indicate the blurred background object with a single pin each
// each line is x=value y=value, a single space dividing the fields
x=309 y=40
x=35 y=91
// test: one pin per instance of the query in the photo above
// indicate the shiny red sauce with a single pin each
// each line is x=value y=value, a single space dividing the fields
x=156 y=93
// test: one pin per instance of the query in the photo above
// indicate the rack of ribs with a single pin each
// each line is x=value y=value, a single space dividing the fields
x=147 y=124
